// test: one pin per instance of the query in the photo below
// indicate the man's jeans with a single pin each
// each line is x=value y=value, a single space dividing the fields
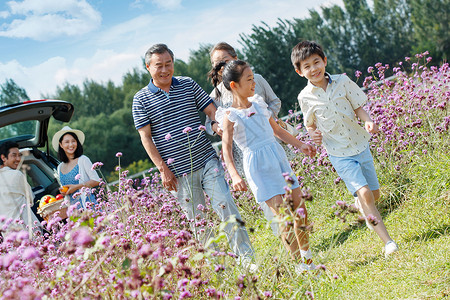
x=211 y=180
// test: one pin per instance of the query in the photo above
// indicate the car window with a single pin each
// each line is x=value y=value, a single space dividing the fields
x=36 y=176
x=19 y=131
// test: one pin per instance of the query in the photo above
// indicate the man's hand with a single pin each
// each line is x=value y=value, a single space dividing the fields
x=169 y=180
x=215 y=127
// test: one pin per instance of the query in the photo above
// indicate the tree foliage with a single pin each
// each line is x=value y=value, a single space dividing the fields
x=11 y=93
x=198 y=66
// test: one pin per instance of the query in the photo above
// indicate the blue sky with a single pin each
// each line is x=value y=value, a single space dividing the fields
x=46 y=43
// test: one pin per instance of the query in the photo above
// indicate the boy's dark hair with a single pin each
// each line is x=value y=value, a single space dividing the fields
x=78 y=152
x=158 y=49
x=233 y=72
x=304 y=50
x=5 y=147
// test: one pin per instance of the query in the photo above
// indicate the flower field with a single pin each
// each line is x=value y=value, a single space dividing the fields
x=137 y=244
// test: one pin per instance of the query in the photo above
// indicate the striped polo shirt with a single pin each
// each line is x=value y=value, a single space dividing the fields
x=169 y=114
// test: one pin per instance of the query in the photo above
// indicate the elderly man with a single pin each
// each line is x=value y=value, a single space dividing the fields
x=166 y=116
x=14 y=188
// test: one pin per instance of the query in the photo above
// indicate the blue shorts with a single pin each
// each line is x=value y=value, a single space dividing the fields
x=356 y=171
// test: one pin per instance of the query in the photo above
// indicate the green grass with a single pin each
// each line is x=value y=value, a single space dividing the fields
x=415 y=205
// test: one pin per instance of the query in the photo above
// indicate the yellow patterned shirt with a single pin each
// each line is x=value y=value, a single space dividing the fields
x=333 y=113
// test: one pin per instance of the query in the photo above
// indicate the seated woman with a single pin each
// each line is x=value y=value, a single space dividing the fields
x=75 y=172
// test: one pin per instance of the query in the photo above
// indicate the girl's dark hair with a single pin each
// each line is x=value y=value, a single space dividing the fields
x=233 y=72
x=213 y=74
x=216 y=78
x=78 y=152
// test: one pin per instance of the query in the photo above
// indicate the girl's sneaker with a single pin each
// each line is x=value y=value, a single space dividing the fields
x=390 y=248
x=248 y=264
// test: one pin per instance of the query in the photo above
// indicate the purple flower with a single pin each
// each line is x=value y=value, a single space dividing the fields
x=358 y=74
x=183 y=282
x=321 y=267
x=201 y=128
x=96 y=165
x=83 y=237
x=341 y=203
x=187 y=130
x=301 y=212
x=370 y=69
x=168 y=136
x=118 y=154
x=77 y=177
x=372 y=220
x=210 y=292
x=268 y=294
x=170 y=161
x=30 y=253
x=185 y=294
x=9 y=258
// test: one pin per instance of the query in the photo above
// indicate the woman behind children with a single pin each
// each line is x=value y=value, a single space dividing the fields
x=75 y=172
x=249 y=123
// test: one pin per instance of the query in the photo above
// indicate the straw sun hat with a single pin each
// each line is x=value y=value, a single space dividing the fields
x=63 y=131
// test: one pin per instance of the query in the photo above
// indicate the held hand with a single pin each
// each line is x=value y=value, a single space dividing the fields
x=316 y=136
x=371 y=127
x=308 y=150
x=169 y=180
x=239 y=184
x=68 y=189
x=215 y=127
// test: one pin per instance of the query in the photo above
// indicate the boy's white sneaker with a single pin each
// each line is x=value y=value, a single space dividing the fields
x=359 y=207
x=302 y=267
x=390 y=248
x=249 y=265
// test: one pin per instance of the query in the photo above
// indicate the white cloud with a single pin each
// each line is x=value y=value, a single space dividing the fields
x=47 y=19
x=128 y=31
x=4 y=14
x=163 y=4
x=43 y=79
x=168 y=4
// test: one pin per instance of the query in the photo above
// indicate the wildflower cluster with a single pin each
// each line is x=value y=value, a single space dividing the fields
x=137 y=243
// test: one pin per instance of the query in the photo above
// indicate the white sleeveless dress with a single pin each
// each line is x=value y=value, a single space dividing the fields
x=265 y=162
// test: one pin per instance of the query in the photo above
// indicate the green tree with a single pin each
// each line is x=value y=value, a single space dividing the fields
x=12 y=93
x=268 y=50
x=197 y=66
x=430 y=19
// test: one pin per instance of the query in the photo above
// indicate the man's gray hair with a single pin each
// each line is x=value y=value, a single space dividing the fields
x=158 y=49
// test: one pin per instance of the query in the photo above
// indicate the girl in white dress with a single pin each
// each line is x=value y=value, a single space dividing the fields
x=249 y=123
